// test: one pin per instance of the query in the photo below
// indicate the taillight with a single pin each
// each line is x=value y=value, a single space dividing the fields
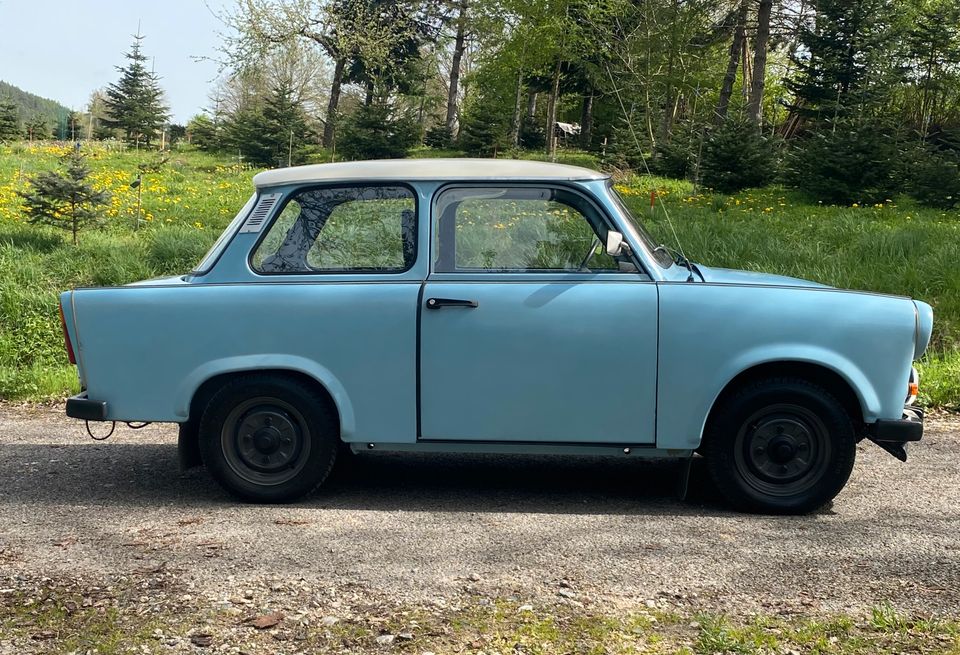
x=66 y=337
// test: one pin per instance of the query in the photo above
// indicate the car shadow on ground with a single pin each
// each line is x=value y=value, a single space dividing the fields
x=148 y=475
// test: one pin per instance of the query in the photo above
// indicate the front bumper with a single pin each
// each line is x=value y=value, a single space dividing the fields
x=893 y=435
x=81 y=407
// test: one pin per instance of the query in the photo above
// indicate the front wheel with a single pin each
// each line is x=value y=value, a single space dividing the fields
x=268 y=439
x=781 y=446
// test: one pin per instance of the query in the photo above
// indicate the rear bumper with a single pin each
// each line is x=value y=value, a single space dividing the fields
x=893 y=435
x=81 y=407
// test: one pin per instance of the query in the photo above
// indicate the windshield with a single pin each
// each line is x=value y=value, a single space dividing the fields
x=662 y=256
x=211 y=257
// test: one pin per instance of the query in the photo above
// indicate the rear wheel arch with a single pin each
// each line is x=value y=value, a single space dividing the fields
x=209 y=387
x=819 y=375
x=188 y=440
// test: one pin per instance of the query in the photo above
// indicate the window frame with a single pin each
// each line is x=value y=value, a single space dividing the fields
x=293 y=193
x=603 y=214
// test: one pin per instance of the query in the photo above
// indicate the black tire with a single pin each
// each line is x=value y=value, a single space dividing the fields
x=780 y=446
x=268 y=438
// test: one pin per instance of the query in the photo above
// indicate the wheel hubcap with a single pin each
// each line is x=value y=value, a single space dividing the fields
x=264 y=441
x=782 y=449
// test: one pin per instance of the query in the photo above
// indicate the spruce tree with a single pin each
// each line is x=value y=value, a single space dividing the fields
x=285 y=131
x=377 y=131
x=64 y=199
x=850 y=161
x=36 y=128
x=736 y=156
x=9 y=122
x=135 y=102
x=625 y=150
x=851 y=57
x=204 y=133
x=243 y=134
x=484 y=130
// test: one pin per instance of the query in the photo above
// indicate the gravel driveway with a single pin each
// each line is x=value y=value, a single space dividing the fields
x=420 y=528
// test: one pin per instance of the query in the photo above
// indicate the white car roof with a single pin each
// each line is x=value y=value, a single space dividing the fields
x=400 y=170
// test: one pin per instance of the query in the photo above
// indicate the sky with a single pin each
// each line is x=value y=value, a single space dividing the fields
x=65 y=49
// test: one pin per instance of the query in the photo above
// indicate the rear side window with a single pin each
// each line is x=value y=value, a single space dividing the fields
x=350 y=229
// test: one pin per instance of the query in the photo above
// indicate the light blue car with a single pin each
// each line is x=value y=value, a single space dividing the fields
x=491 y=306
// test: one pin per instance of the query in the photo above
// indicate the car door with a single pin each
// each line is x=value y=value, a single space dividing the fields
x=529 y=331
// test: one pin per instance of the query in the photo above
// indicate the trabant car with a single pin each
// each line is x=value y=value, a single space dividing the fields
x=491 y=306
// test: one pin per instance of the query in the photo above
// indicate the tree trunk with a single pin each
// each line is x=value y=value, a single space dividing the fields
x=755 y=106
x=517 y=116
x=459 y=45
x=745 y=71
x=368 y=97
x=726 y=88
x=669 y=108
x=532 y=106
x=330 y=124
x=552 y=111
x=586 y=121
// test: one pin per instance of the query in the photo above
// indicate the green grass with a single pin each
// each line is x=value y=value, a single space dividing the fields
x=63 y=619
x=185 y=205
x=894 y=248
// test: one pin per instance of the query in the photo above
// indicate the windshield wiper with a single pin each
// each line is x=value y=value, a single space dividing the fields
x=681 y=260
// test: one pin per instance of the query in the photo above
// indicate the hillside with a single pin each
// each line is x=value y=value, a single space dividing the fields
x=31 y=105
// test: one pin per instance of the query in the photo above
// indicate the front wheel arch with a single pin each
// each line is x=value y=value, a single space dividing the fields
x=816 y=374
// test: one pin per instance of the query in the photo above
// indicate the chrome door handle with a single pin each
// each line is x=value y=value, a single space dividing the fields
x=437 y=303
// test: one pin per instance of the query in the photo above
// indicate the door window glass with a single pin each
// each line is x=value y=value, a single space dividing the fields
x=518 y=229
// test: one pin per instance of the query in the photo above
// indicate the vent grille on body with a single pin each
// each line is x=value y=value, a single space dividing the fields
x=259 y=214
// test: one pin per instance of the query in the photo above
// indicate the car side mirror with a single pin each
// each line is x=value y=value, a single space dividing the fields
x=616 y=246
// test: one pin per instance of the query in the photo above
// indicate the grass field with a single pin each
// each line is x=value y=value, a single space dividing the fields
x=895 y=247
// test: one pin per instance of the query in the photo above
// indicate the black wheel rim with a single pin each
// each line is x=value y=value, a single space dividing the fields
x=782 y=450
x=266 y=441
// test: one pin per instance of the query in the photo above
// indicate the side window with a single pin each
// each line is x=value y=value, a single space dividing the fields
x=518 y=229
x=342 y=230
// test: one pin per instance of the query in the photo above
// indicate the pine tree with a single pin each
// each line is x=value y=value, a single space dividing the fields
x=438 y=136
x=377 y=131
x=850 y=161
x=624 y=150
x=36 y=128
x=851 y=58
x=484 y=130
x=736 y=156
x=9 y=122
x=285 y=131
x=135 y=101
x=204 y=133
x=243 y=134
x=64 y=199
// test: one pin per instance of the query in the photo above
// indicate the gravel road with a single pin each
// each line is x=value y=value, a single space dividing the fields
x=419 y=528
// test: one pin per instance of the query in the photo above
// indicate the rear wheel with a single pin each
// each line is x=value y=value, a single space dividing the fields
x=783 y=446
x=268 y=439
